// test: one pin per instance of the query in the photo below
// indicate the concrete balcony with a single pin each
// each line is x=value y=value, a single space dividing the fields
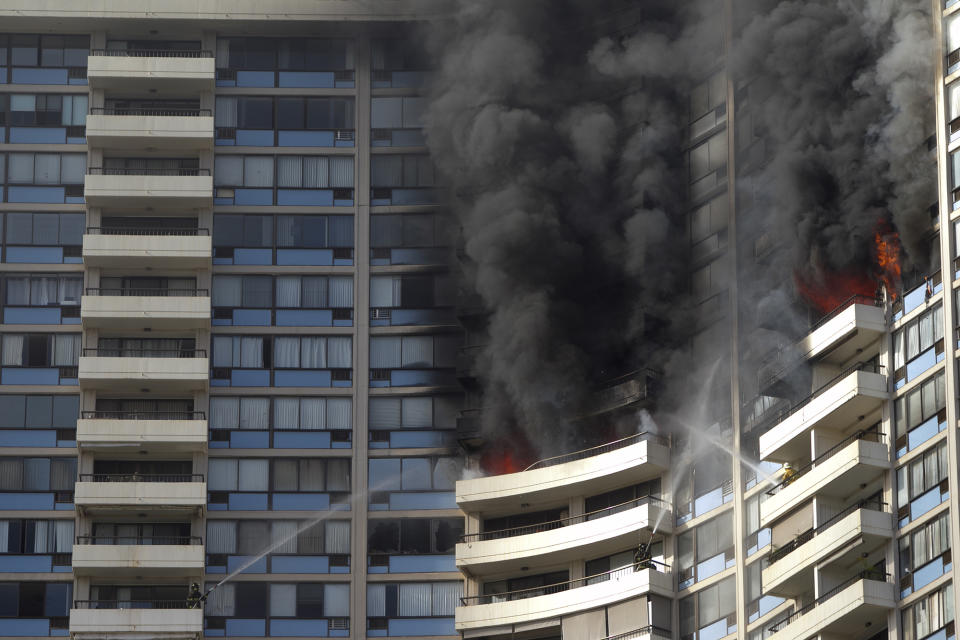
x=140 y=188
x=597 y=534
x=138 y=248
x=160 y=431
x=144 y=69
x=110 y=492
x=158 y=309
x=185 y=370
x=839 y=541
x=836 y=406
x=172 y=621
x=836 y=475
x=842 y=612
x=554 y=601
x=153 y=128
x=846 y=332
x=154 y=557
x=591 y=471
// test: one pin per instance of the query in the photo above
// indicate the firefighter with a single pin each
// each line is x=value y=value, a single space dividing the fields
x=641 y=559
x=195 y=597
x=788 y=475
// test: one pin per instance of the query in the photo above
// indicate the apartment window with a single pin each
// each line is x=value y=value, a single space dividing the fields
x=35 y=600
x=284 y=180
x=757 y=538
x=409 y=607
x=419 y=412
x=46 y=59
x=397 y=121
x=402 y=171
x=153 y=167
x=147 y=348
x=37 y=474
x=758 y=604
x=291 y=298
x=412 y=238
x=281 y=604
x=24 y=230
x=710 y=613
x=412 y=300
x=708 y=165
x=433 y=478
x=54 y=419
x=705 y=551
x=19 y=537
x=621 y=499
x=246 y=537
x=42 y=299
x=398 y=63
x=47 y=110
x=708 y=227
x=702 y=489
x=293 y=475
x=414 y=536
x=287 y=62
x=40 y=350
x=928 y=615
x=918 y=345
x=922 y=484
x=711 y=280
x=245 y=112
x=396 y=360
x=46 y=168
x=925 y=555
x=299 y=122
x=921 y=414
x=144 y=533
x=287 y=413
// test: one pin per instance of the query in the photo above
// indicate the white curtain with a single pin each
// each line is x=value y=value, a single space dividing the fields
x=953 y=33
x=338 y=474
x=286 y=413
x=316 y=172
x=66 y=350
x=4 y=536
x=313 y=413
x=70 y=290
x=220 y=601
x=385 y=413
x=289 y=171
x=228 y=171
x=46 y=168
x=341 y=292
x=255 y=413
x=376 y=600
x=341 y=172
x=221 y=536
x=222 y=474
x=336 y=600
x=251 y=348
x=337 y=536
x=417 y=412
x=339 y=413
x=20 y=168
x=312 y=475
x=226 y=115
x=258 y=171
x=283 y=600
x=254 y=475
x=223 y=351
x=286 y=352
x=23 y=102
x=288 y=292
x=41 y=535
x=313 y=352
x=63 y=536
x=381 y=291
x=18 y=291
x=416 y=600
x=284 y=529
x=224 y=413
x=446 y=597
x=339 y=352
x=43 y=290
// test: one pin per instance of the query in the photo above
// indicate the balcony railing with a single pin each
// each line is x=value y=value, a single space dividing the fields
x=143 y=415
x=873 y=434
x=533 y=592
x=782 y=410
x=603 y=448
x=650 y=631
x=141 y=477
x=124 y=352
x=132 y=604
x=140 y=540
x=146 y=231
x=873 y=503
x=152 y=53
x=128 y=171
x=871 y=574
x=142 y=111
x=563 y=522
x=161 y=292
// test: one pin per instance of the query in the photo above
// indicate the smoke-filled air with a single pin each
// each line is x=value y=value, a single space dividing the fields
x=563 y=131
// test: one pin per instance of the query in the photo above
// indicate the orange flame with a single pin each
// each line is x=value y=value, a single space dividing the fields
x=888 y=260
x=507 y=456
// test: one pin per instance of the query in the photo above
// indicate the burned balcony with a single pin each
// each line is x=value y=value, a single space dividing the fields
x=467 y=364
x=469 y=435
x=631 y=390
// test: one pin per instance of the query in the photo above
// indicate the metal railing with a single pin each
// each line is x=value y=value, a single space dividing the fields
x=141 y=477
x=870 y=574
x=143 y=415
x=125 y=352
x=147 y=231
x=532 y=592
x=810 y=534
x=603 y=448
x=132 y=604
x=770 y=416
x=152 y=53
x=127 y=171
x=161 y=292
x=872 y=435
x=562 y=522
x=140 y=540
x=649 y=631
x=146 y=111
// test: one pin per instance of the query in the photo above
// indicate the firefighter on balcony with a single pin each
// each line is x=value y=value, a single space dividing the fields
x=642 y=559
x=195 y=599
x=788 y=475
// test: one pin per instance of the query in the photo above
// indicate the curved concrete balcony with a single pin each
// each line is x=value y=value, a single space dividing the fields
x=144 y=69
x=158 y=430
x=554 y=601
x=837 y=474
x=157 y=370
x=170 y=556
x=160 y=309
x=839 y=541
x=595 y=534
x=842 y=612
x=150 y=128
x=168 y=620
x=138 y=248
x=591 y=471
x=110 y=492
x=172 y=189
x=840 y=403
